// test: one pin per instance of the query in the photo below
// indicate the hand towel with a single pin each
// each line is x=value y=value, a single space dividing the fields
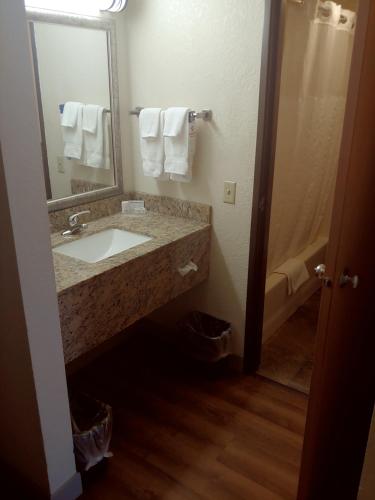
x=296 y=273
x=149 y=122
x=90 y=118
x=70 y=113
x=94 y=141
x=71 y=125
x=108 y=141
x=175 y=119
x=152 y=150
x=187 y=177
x=179 y=143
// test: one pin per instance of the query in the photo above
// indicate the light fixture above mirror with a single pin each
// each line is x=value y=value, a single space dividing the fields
x=81 y=7
x=113 y=5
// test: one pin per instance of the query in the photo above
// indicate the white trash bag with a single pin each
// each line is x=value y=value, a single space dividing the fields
x=204 y=337
x=92 y=431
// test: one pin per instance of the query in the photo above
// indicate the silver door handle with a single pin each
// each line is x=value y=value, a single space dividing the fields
x=345 y=279
x=320 y=273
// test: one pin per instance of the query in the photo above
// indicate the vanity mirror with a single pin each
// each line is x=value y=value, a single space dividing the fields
x=77 y=92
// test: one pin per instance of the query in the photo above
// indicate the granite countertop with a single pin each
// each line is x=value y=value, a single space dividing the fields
x=163 y=229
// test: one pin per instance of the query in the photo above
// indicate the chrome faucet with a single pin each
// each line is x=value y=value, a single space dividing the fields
x=75 y=226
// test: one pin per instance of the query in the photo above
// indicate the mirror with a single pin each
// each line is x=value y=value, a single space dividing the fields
x=76 y=86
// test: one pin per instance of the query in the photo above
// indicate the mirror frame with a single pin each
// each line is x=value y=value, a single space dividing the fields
x=107 y=25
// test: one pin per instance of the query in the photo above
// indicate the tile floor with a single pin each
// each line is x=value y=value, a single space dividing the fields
x=287 y=357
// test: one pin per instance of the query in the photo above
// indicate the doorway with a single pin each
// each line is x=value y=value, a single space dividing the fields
x=310 y=50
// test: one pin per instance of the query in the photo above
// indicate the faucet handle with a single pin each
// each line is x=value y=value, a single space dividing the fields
x=73 y=219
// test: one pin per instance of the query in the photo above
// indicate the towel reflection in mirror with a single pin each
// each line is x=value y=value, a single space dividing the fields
x=85 y=130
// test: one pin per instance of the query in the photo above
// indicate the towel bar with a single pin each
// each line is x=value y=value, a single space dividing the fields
x=205 y=114
x=61 y=109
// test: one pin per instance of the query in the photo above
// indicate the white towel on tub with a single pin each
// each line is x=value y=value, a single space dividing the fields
x=296 y=273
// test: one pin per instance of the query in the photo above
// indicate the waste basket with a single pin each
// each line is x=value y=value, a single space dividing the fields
x=92 y=430
x=204 y=337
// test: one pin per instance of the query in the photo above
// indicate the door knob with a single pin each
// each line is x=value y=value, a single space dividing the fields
x=345 y=279
x=320 y=272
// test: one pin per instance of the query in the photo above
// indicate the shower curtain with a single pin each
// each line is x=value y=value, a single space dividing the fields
x=315 y=68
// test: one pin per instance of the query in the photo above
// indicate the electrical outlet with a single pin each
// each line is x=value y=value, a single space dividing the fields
x=60 y=164
x=230 y=192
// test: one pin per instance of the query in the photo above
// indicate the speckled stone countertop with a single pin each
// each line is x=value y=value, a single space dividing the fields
x=163 y=229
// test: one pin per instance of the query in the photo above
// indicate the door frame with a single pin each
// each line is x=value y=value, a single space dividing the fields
x=264 y=170
x=262 y=197
x=270 y=76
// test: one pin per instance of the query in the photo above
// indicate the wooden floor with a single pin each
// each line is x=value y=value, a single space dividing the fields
x=182 y=431
x=287 y=357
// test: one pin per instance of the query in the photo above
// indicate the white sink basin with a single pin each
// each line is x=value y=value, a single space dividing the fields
x=101 y=245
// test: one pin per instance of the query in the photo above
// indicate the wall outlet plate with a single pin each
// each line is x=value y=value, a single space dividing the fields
x=230 y=192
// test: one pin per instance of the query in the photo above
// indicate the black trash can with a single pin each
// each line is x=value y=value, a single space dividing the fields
x=204 y=337
x=92 y=430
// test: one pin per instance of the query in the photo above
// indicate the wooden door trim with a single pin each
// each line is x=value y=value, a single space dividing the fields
x=263 y=178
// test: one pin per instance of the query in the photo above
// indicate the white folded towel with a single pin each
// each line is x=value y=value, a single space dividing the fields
x=149 y=122
x=90 y=118
x=71 y=124
x=296 y=273
x=152 y=147
x=188 y=176
x=179 y=143
x=175 y=119
x=107 y=140
x=94 y=141
x=70 y=113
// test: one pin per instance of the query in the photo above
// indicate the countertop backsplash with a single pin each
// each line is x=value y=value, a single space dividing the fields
x=163 y=205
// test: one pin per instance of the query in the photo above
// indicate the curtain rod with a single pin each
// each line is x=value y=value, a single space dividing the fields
x=322 y=8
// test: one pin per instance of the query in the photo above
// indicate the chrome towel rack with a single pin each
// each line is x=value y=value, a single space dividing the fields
x=205 y=114
x=61 y=109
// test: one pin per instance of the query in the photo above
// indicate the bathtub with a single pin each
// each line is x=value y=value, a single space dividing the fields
x=278 y=305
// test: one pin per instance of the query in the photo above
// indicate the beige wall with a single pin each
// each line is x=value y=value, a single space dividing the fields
x=202 y=55
x=36 y=437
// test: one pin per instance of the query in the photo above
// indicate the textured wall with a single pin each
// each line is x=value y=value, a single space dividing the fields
x=202 y=55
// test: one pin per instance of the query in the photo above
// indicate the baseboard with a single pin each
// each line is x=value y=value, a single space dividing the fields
x=235 y=364
x=71 y=490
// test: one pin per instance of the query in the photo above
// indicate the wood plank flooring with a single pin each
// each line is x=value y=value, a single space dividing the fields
x=184 y=431
x=287 y=357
